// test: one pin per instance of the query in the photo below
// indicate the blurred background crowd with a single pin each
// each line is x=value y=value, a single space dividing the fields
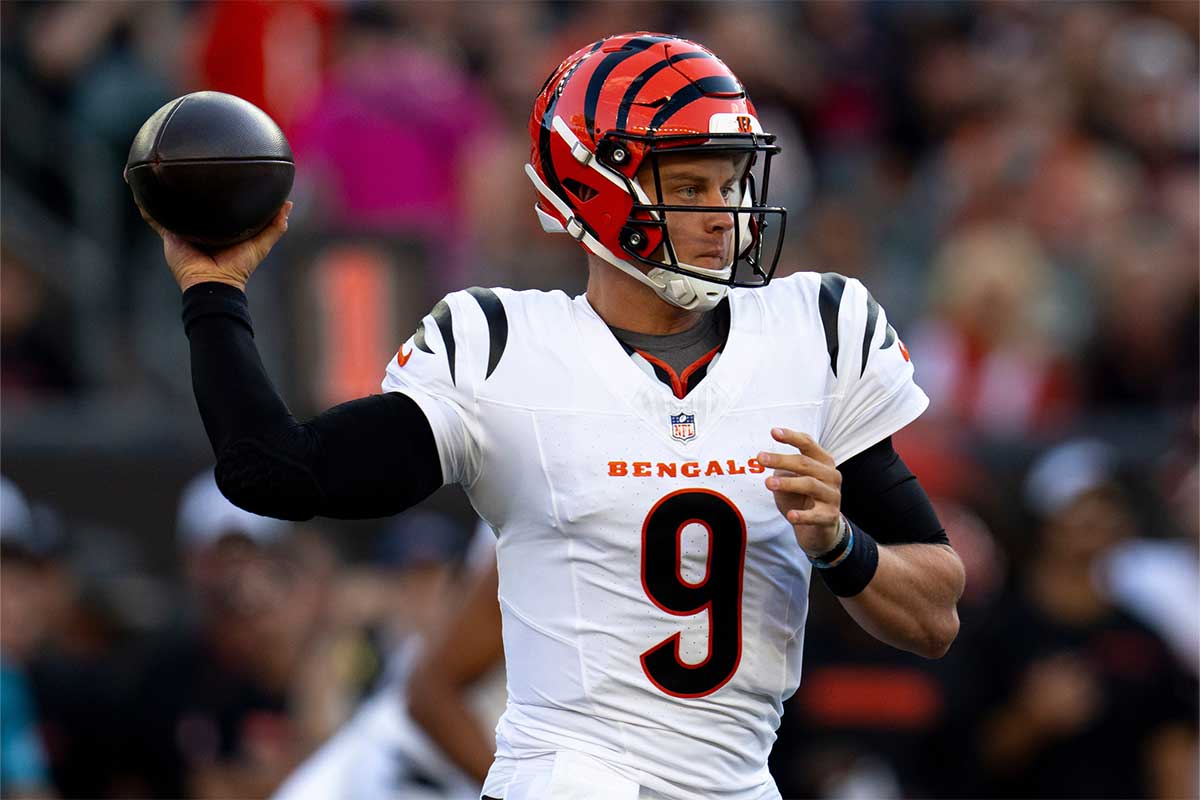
x=1016 y=182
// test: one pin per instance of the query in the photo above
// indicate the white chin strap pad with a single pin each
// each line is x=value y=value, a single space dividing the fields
x=684 y=291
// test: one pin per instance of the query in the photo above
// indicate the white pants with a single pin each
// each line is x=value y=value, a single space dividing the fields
x=570 y=775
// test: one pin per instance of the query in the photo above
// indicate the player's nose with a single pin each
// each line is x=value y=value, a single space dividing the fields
x=718 y=221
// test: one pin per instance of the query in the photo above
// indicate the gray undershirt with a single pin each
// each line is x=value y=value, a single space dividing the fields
x=680 y=350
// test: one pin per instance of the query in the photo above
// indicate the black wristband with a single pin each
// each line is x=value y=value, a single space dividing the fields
x=206 y=299
x=856 y=569
x=830 y=557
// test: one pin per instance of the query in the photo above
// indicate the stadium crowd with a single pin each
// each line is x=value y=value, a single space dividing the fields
x=1017 y=182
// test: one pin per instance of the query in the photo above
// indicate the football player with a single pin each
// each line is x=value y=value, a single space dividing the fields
x=668 y=459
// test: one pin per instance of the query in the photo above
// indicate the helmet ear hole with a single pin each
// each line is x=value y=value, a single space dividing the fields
x=614 y=153
x=639 y=240
x=579 y=191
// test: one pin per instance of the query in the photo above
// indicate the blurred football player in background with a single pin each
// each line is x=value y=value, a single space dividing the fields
x=426 y=732
x=666 y=459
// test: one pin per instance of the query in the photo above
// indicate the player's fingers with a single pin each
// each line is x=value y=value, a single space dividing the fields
x=802 y=442
x=280 y=224
x=802 y=465
x=805 y=485
x=817 y=515
x=270 y=235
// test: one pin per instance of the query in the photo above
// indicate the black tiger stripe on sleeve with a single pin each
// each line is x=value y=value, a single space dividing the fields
x=497 y=322
x=869 y=333
x=419 y=338
x=445 y=322
x=833 y=286
x=889 y=339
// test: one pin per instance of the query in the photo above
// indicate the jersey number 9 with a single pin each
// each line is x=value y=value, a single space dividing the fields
x=719 y=592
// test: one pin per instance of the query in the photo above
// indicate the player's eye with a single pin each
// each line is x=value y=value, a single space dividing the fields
x=688 y=192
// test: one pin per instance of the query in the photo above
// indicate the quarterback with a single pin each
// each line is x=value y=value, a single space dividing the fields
x=667 y=459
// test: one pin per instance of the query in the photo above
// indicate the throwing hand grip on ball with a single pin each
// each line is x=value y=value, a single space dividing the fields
x=232 y=265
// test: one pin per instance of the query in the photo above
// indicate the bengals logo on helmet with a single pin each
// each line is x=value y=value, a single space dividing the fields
x=744 y=125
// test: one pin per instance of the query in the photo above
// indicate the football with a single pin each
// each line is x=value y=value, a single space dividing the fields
x=211 y=168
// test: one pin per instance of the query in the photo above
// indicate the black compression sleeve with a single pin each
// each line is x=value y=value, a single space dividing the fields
x=370 y=457
x=882 y=496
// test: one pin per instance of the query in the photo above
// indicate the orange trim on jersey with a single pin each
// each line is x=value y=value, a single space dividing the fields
x=679 y=381
x=697 y=364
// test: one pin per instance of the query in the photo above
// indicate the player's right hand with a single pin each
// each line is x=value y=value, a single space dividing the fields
x=233 y=265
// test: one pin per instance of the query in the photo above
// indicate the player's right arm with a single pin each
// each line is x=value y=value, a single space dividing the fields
x=371 y=457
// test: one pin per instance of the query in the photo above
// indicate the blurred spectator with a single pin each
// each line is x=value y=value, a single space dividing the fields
x=215 y=712
x=86 y=76
x=1074 y=697
x=391 y=135
x=272 y=54
x=989 y=360
x=868 y=720
x=96 y=601
x=23 y=770
x=37 y=358
x=1145 y=351
x=1148 y=76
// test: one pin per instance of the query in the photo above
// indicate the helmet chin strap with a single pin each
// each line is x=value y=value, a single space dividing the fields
x=682 y=291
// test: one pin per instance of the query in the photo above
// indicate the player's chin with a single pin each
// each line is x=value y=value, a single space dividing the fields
x=716 y=262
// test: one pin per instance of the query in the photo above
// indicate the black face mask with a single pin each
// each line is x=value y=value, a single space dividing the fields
x=758 y=227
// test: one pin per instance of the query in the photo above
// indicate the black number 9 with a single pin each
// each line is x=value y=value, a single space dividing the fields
x=719 y=593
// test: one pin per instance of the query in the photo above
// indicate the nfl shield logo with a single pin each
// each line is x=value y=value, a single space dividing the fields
x=683 y=426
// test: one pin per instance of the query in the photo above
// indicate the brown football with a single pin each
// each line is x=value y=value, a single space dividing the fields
x=211 y=167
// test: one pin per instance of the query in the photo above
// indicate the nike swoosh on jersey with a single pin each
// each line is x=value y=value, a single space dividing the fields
x=403 y=357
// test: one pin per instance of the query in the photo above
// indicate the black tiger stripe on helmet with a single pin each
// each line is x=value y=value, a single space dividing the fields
x=630 y=97
x=605 y=68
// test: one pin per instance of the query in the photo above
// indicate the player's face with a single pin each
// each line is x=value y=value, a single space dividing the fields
x=700 y=238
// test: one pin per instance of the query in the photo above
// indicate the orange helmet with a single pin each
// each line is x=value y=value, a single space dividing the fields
x=611 y=109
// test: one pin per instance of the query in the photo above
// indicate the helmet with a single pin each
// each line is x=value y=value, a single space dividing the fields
x=612 y=109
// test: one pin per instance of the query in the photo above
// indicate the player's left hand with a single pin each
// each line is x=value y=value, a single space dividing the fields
x=807 y=488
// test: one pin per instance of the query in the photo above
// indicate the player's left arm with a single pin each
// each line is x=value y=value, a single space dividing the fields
x=465 y=648
x=890 y=563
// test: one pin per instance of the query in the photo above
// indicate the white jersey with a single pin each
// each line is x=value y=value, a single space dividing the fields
x=653 y=597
